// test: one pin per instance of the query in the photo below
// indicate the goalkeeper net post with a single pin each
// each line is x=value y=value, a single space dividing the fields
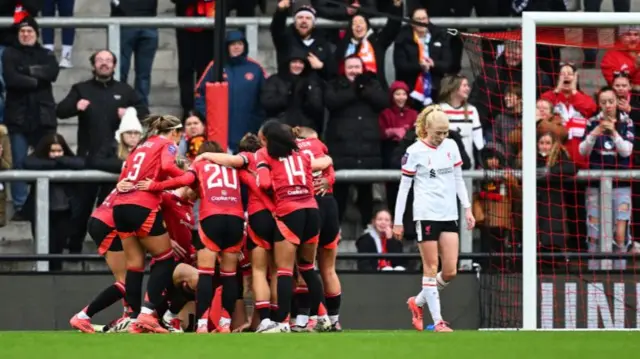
x=530 y=22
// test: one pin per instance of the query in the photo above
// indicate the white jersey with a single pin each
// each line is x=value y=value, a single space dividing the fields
x=467 y=123
x=434 y=189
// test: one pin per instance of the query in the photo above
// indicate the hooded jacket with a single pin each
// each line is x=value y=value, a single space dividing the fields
x=245 y=78
x=395 y=117
x=296 y=100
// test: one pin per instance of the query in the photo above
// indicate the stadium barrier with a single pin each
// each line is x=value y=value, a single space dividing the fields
x=43 y=179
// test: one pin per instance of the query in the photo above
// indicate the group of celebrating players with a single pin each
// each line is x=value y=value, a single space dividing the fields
x=290 y=220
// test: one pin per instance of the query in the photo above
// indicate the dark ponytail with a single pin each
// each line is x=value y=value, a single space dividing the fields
x=281 y=141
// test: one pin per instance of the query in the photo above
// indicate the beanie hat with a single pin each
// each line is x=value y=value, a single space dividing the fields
x=128 y=123
x=307 y=10
x=29 y=22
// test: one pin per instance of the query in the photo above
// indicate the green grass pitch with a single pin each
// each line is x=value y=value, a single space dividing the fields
x=350 y=344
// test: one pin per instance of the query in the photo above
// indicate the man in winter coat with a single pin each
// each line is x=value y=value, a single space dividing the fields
x=29 y=71
x=245 y=78
x=353 y=135
x=295 y=97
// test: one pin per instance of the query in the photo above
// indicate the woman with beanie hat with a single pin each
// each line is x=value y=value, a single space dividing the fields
x=111 y=156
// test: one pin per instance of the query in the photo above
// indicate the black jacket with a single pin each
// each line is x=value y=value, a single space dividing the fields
x=135 y=8
x=106 y=159
x=406 y=60
x=29 y=72
x=336 y=12
x=379 y=40
x=295 y=100
x=353 y=134
x=60 y=194
x=8 y=35
x=367 y=244
x=99 y=122
x=286 y=39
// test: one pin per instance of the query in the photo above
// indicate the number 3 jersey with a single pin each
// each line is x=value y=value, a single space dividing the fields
x=154 y=159
x=291 y=180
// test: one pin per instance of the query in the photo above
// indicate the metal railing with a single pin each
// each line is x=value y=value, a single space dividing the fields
x=43 y=180
x=250 y=25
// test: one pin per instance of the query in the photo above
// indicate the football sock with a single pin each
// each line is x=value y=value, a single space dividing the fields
x=333 y=306
x=431 y=297
x=160 y=278
x=316 y=291
x=133 y=292
x=229 y=291
x=263 y=309
x=302 y=301
x=285 y=292
x=204 y=293
x=106 y=298
x=441 y=282
x=273 y=308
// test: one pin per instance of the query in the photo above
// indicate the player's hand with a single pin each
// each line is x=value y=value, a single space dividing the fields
x=178 y=250
x=144 y=185
x=471 y=220
x=321 y=186
x=125 y=186
x=241 y=328
x=398 y=231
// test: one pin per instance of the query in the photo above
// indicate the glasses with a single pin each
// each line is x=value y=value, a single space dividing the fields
x=617 y=74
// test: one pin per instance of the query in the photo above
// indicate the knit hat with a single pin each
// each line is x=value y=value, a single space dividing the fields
x=307 y=10
x=128 y=123
x=29 y=22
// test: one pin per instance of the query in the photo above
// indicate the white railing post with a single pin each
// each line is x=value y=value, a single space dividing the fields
x=606 y=220
x=113 y=43
x=466 y=236
x=251 y=33
x=529 y=173
x=42 y=222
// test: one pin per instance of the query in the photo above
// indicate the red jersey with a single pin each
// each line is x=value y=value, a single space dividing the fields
x=291 y=180
x=104 y=212
x=153 y=159
x=314 y=148
x=178 y=218
x=255 y=202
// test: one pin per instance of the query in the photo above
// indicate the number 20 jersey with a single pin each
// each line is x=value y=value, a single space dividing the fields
x=219 y=189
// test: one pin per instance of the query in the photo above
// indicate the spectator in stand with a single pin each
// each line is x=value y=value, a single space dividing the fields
x=139 y=42
x=295 y=97
x=353 y=135
x=463 y=116
x=368 y=44
x=29 y=72
x=394 y=123
x=625 y=57
x=490 y=87
x=608 y=144
x=64 y=9
x=302 y=35
x=246 y=78
x=111 y=156
x=590 y=55
x=99 y=103
x=574 y=107
x=422 y=57
x=192 y=56
x=52 y=153
x=378 y=238
x=507 y=122
x=194 y=136
x=6 y=162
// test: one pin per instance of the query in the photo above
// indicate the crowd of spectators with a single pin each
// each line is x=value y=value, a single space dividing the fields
x=335 y=82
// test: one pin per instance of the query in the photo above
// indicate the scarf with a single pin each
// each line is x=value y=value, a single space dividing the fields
x=193 y=146
x=365 y=52
x=381 y=245
x=422 y=89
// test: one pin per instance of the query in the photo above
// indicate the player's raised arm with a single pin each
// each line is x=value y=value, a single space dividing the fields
x=224 y=159
x=250 y=180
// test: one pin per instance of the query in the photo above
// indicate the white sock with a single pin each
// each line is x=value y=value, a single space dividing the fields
x=66 y=51
x=203 y=322
x=302 y=320
x=421 y=298
x=334 y=319
x=441 y=282
x=83 y=315
x=49 y=47
x=431 y=296
x=146 y=310
x=168 y=316
x=224 y=321
x=323 y=317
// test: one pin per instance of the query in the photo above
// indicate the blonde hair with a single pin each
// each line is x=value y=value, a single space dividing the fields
x=123 y=150
x=160 y=124
x=557 y=149
x=426 y=118
x=304 y=132
x=449 y=86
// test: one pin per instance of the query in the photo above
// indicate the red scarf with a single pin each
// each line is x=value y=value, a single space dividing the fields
x=383 y=248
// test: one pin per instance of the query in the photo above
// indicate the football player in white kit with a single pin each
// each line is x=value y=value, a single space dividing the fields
x=433 y=161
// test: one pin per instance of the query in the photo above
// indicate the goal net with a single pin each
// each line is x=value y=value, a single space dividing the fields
x=561 y=234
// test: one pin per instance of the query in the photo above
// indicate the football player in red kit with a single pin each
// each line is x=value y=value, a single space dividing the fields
x=221 y=228
x=177 y=208
x=309 y=144
x=139 y=221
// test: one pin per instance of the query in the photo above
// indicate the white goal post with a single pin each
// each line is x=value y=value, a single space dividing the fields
x=530 y=20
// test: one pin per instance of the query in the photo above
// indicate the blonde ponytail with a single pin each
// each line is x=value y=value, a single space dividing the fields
x=430 y=114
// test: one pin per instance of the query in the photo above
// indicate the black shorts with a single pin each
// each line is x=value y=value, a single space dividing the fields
x=431 y=230
x=261 y=229
x=299 y=226
x=329 y=222
x=105 y=237
x=221 y=233
x=133 y=220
